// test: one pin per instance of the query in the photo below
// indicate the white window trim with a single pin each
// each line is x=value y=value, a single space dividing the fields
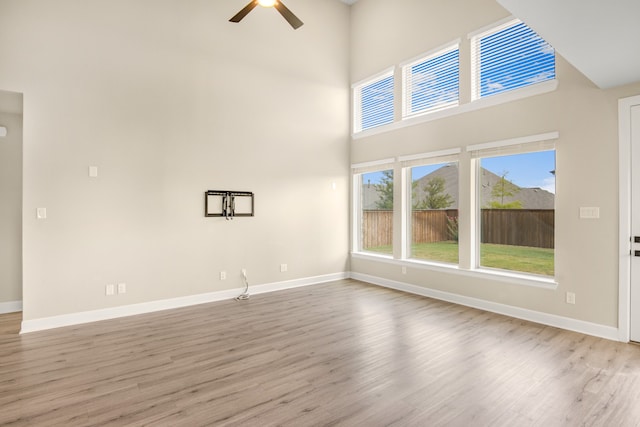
x=514 y=141
x=485 y=274
x=357 y=170
x=356 y=212
x=478 y=34
x=494 y=27
x=405 y=211
x=432 y=52
x=491 y=101
x=381 y=74
x=372 y=166
x=403 y=120
x=476 y=150
x=430 y=155
x=407 y=225
x=406 y=90
x=357 y=97
x=473 y=38
x=474 y=270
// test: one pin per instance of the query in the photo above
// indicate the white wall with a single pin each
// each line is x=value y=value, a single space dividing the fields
x=10 y=210
x=169 y=99
x=387 y=33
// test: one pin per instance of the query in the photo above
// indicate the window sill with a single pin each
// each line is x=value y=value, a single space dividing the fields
x=480 y=273
x=479 y=104
x=375 y=256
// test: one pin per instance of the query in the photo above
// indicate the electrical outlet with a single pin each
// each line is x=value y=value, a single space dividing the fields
x=283 y=268
x=41 y=213
x=122 y=288
x=223 y=275
x=571 y=298
x=110 y=290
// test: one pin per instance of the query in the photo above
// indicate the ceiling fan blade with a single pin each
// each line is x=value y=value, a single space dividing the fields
x=244 y=12
x=288 y=15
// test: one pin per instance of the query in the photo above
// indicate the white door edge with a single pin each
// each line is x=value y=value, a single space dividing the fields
x=624 y=276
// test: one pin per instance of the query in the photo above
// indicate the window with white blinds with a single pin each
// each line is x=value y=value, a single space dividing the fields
x=374 y=102
x=432 y=82
x=509 y=56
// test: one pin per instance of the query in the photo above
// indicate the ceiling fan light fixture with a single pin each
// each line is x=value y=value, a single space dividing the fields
x=292 y=19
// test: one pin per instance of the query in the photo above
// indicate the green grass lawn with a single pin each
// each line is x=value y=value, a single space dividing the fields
x=516 y=258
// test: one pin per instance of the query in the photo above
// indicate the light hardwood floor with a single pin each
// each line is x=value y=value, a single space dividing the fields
x=343 y=353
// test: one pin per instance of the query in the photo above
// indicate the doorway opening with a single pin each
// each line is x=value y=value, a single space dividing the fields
x=11 y=152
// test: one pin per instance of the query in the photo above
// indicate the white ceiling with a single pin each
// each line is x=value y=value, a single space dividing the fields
x=601 y=38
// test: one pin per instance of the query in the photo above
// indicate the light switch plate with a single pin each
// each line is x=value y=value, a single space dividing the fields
x=589 y=212
x=41 y=213
x=93 y=171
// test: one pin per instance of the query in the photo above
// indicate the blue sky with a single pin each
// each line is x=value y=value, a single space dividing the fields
x=511 y=58
x=527 y=170
x=435 y=82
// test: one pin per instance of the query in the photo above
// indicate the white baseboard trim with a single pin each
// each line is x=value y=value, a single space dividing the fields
x=295 y=283
x=10 y=307
x=71 y=319
x=588 y=328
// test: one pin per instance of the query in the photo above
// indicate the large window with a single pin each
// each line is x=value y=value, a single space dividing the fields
x=509 y=56
x=434 y=212
x=374 y=102
x=376 y=211
x=504 y=57
x=432 y=82
x=516 y=214
x=491 y=209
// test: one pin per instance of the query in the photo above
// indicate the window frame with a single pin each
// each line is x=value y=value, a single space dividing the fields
x=468 y=200
x=357 y=99
x=475 y=39
x=407 y=163
x=357 y=171
x=407 y=80
x=468 y=88
x=523 y=145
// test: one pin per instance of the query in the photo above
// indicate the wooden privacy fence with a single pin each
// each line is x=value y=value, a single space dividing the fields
x=520 y=227
x=428 y=226
x=377 y=228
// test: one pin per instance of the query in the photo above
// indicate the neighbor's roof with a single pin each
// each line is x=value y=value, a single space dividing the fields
x=531 y=198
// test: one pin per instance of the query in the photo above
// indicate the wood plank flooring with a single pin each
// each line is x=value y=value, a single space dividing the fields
x=343 y=353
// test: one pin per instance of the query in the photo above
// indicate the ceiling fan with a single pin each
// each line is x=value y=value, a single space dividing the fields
x=284 y=11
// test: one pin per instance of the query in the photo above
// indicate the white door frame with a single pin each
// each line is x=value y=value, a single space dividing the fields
x=624 y=276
